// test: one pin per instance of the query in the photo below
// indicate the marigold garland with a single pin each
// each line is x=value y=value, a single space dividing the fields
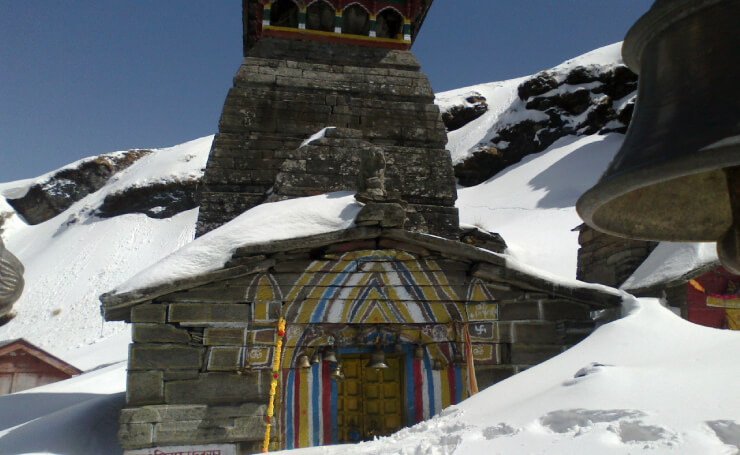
x=274 y=383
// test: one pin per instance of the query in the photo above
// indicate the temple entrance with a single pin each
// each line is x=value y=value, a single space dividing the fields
x=369 y=401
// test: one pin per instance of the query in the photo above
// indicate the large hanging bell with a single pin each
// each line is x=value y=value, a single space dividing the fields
x=669 y=181
x=377 y=360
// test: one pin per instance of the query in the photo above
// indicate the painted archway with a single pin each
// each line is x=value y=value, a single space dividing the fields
x=366 y=291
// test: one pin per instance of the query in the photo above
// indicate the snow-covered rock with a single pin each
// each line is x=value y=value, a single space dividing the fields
x=590 y=94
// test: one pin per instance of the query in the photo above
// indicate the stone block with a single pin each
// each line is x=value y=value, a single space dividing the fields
x=523 y=354
x=144 y=387
x=352 y=246
x=487 y=376
x=185 y=432
x=210 y=431
x=179 y=375
x=134 y=435
x=182 y=412
x=536 y=333
x=211 y=294
x=159 y=333
x=243 y=410
x=557 y=310
x=249 y=428
x=224 y=358
x=164 y=356
x=383 y=214
x=163 y=413
x=219 y=388
x=154 y=313
x=208 y=312
x=225 y=336
x=393 y=245
x=140 y=414
x=505 y=331
x=519 y=311
x=292 y=266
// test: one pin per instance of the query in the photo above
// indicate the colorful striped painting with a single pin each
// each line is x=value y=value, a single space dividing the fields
x=310 y=404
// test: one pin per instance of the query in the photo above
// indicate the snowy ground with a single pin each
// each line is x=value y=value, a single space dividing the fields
x=74 y=257
x=648 y=383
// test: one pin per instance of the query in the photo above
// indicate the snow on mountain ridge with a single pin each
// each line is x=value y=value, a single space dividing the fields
x=75 y=256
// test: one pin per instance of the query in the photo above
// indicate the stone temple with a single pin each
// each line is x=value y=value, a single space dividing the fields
x=343 y=336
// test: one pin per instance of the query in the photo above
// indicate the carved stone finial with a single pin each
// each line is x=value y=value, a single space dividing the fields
x=11 y=279
x=371 y=186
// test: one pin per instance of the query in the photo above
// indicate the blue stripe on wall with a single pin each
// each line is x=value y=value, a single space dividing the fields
x=315 y=400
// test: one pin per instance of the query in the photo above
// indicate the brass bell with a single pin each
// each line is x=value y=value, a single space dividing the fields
x=315 y=357
x=330 y=355
x=675 y=177
x=438 y=365
x=303 y=362
x=377 y=360
x=419 y=352
x=337 y=374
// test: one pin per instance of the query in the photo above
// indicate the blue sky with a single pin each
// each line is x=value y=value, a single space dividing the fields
x=81 y=78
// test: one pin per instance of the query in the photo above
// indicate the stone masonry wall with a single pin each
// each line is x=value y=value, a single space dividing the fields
x=199 y=365
x=287 y=90
x=609 y=260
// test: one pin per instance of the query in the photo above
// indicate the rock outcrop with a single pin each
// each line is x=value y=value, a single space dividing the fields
x=55 y=194
x=159 y=200
x=458 y=115
x=550 y=105
x=58 y=192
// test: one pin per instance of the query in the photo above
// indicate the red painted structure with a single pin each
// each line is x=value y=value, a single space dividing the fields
x=717 y=287
x=258 y=22
x=24 y=366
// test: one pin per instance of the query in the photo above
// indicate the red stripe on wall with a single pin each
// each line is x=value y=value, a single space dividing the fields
x=418 y=384
x=326 y=402
x=452 y=383
x=296 y=408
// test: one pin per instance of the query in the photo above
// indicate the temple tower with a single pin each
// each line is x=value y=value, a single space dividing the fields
x=341 y=69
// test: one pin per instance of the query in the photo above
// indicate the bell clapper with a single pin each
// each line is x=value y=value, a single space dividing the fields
x=728 y=246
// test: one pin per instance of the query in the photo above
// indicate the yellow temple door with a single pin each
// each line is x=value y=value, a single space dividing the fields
x=369 y=401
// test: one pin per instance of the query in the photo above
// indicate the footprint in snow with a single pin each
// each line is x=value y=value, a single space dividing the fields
x=727 y=431
x=590 y=369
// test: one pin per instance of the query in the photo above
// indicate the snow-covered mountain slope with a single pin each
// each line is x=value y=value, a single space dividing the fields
x=75 y=256
x=532 y=204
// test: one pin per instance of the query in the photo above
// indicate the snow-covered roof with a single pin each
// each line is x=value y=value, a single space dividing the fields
x=311 y=222
x=672 y=263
